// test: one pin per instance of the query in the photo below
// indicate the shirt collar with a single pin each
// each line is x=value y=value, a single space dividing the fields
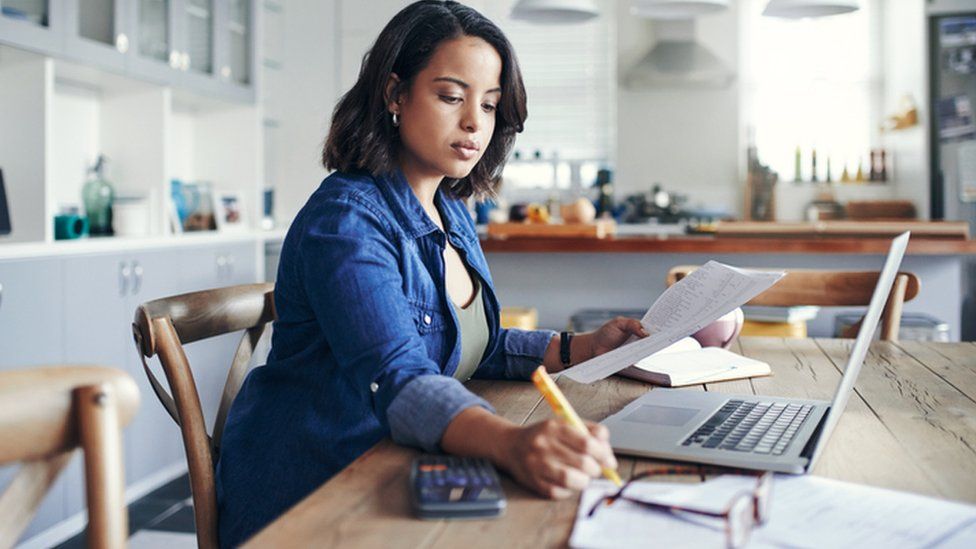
x=408 y=210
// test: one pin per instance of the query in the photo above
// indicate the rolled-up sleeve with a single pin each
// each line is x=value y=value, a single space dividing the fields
x=517 y=354
x=352 y=282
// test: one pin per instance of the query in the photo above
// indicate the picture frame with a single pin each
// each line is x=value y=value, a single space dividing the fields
x=198 y=211
x=230 y=212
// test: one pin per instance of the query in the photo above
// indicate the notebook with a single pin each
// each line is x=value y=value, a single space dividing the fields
x=686 y=362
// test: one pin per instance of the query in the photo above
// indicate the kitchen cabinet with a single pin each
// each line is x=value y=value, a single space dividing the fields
x=31 y=335
x=96 y=33
x=203 y=46
x=79 y=310
x=35 y=25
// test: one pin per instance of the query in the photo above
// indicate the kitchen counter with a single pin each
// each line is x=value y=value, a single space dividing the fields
x=707 y=244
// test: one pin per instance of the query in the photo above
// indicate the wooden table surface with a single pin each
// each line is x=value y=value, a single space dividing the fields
x=911 y=426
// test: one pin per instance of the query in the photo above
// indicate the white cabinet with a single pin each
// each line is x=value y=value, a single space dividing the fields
x=79 y=309
x=31 y=335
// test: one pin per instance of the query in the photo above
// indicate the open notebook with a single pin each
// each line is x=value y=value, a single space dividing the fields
x=686 y=362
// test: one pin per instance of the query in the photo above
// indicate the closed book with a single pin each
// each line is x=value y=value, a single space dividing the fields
x=682 y=364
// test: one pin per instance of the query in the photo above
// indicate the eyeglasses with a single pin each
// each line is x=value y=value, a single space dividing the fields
x=743 y=512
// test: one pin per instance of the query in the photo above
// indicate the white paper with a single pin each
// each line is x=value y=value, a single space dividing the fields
x=695 y=301
x=805 y=511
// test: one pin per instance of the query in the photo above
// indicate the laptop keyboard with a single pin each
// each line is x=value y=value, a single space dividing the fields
x=757 y=427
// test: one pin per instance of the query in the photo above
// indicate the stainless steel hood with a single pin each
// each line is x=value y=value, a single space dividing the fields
x=678 y=61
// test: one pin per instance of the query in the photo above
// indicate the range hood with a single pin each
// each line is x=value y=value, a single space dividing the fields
x=678 y=61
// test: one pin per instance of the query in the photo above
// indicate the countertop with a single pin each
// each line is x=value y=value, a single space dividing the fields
x=708 y=244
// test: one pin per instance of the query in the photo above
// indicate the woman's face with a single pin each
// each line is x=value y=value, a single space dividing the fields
x=447 y=117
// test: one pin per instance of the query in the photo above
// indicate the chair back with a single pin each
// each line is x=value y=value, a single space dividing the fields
x=161 y=327
x=47 y=412
x=831 y=289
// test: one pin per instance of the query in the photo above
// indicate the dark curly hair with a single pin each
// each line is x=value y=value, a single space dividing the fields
x=362 y=136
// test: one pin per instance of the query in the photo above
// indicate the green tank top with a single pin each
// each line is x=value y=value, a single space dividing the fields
x=473 y=326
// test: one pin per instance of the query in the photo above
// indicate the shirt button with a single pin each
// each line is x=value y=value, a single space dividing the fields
x=426 y=319
x=374 y=386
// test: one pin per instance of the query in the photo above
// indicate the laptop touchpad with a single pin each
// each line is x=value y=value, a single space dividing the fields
x=662 y=415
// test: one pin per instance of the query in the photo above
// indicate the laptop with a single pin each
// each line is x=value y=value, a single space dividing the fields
x=4 y=213
x=747 y=431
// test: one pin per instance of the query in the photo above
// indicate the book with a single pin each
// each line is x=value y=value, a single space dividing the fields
x=686 y=362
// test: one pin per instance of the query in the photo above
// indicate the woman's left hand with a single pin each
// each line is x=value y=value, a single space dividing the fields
x=614 y=333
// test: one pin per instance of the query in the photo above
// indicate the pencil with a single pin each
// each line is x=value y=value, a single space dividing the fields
x=557 y=400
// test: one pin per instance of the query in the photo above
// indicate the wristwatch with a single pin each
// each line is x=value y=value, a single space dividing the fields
x=564 y=355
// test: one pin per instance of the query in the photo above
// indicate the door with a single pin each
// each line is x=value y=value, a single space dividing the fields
x=153 y=54
x=32 y=24
x=96 y=32
x=31 y=335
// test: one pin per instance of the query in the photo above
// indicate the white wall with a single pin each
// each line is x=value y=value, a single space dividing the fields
x=905 y=72
x=686 y=139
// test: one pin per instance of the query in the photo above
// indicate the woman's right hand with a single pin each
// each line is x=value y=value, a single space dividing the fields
x=555 y=459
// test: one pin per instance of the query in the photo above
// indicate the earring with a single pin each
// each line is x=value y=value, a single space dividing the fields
x=396 y=120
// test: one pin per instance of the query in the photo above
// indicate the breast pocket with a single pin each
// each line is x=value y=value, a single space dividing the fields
x=427 y=318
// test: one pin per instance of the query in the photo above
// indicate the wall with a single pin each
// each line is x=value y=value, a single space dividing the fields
x=686 y=139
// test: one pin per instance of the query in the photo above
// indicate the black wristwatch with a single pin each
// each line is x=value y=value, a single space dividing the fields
x=564 y=355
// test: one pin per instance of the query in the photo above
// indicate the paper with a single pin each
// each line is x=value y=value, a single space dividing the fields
x=695 y=301
x=805 y=511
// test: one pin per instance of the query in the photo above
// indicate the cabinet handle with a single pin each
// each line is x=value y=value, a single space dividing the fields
x=225 y=72
x=122 y=42
x=221 y=267
x=174 y=59
x=137 y=271
x=124 y=273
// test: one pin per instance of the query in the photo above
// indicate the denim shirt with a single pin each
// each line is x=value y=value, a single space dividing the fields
x=364 y=347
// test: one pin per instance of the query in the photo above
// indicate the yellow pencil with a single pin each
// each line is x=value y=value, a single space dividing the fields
x=557 y=400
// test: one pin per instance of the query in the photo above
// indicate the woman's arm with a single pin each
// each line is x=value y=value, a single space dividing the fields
x=587 y=345
x=549 y=457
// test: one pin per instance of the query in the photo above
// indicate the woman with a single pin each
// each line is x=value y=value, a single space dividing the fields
x=384 y=299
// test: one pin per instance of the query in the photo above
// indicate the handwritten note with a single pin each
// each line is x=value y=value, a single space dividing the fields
x=695 y=301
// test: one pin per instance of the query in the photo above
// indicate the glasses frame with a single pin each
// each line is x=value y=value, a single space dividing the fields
x=759 y=499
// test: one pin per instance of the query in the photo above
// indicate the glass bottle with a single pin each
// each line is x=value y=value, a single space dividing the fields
x=97 y=196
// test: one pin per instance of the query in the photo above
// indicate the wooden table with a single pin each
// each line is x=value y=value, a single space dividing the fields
x=911 y=426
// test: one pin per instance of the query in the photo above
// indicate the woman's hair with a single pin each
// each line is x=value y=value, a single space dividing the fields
x=362 y=136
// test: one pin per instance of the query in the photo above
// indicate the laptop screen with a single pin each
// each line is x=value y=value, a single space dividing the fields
x=863 y=341
x=4 y=212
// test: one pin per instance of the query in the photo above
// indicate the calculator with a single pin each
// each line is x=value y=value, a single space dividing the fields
x=455 y=487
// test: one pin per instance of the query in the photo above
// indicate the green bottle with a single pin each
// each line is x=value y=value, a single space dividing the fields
x=97 y=196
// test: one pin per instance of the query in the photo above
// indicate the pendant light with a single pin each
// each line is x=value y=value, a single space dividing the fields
x=797 y=9
x=676 y=9
x=555 y=11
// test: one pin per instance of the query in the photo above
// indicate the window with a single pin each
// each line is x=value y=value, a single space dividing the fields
x=813 y=84
x=570 y=79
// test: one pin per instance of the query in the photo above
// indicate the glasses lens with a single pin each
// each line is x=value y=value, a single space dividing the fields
x=740 y=520
x=764 y=493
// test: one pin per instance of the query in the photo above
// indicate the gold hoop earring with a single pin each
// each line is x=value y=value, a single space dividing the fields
x=396 y=120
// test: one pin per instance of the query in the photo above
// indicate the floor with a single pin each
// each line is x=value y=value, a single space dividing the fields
x=163 y=518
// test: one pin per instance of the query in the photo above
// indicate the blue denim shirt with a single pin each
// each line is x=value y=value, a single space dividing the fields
x=364 y=346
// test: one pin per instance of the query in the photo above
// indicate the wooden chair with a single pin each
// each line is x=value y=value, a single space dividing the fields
x=831 y=289
x=161 y=327
x=47 y=412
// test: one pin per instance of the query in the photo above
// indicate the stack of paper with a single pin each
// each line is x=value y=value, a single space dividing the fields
x=805 y=511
